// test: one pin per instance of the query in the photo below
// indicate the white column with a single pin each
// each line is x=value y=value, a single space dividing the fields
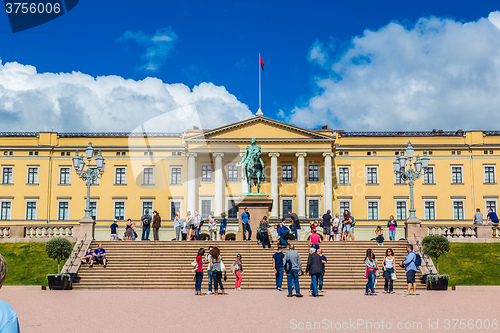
x=328 y=189
x=219 y=184
x=192 y=182
x=244 y=184
x=301 y=185
x=274 y=184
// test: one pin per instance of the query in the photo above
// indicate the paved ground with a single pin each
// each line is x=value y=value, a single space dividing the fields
x=251 y=311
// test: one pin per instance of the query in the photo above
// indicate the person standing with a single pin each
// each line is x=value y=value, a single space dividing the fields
x=114 y=230
x=293 y=267
x=283 y=232
x=315 y=269
x=146 y=225
x=199 y=271
x=264 y=227
x=238 y=271
x=245 y=223
x=215 y=262
x=208 y=260
x=353 y=224
x=278 y=264
x=8 y=318
x=197 y=224
x=371 y=268
x=327 y=224
x=223 y=226
x=212 y=226
x=347 y=225
x=323 y=261
x=336 y=227
x=157 y=225
x=177 y=225
x=134 y=236
x=184 y=230
x=389 y=262
x=295 y=226
x=410 y=269
x=314 y=239
x=392 y=225
x=478 y=217
x=129 y=232
x=189 y=225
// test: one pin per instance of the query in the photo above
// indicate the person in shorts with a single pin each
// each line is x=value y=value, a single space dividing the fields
x=327 y=224
x=410 y=270
x=99 y=256
x=87 y=257
x=114 y=230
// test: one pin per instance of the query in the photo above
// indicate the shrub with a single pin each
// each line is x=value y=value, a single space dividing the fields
x=58 y=248
x=435 y=246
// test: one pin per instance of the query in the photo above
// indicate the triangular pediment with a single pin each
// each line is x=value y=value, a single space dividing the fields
x=260 y=128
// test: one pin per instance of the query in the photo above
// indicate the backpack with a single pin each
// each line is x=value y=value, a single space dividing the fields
x=418 y=260
x=146 y=220
x=288 y=265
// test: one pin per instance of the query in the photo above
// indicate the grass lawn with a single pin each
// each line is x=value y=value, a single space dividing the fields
x=472 y=264
x=27 y=263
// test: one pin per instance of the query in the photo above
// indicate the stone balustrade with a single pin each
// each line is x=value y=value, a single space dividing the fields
x=450 y=231
x=4 y=232
x=496 y=232
x=48 y=231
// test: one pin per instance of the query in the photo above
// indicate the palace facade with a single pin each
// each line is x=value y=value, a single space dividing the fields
x=307 y=171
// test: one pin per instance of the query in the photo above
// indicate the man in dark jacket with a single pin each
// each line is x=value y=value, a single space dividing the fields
x=295 y=226
x=315 y=269
x=156 y=225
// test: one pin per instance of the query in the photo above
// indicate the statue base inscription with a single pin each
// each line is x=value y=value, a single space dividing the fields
x=258 y=206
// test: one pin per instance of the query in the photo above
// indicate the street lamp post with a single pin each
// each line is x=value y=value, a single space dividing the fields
x=91 y=174
x=408 y=173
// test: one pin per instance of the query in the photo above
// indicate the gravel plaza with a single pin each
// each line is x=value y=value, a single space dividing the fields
x=463 y=310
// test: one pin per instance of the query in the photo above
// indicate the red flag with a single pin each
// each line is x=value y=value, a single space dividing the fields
x=261 y=62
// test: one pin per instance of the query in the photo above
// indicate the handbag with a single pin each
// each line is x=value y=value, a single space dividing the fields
x=377 y=273
x=195 y=266
x=222 y=267
x=335 y=228
x=393 y=276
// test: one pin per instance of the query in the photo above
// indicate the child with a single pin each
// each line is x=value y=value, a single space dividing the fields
x=380 y=235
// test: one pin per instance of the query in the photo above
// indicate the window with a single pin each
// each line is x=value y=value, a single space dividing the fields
x=489 y=174
x=344 y=178
x=6 y=210
x=175 y=206
x=286 y=173
x=372 y=210
x=313 y=173
x=400 y=210
x=286 y=206
x=491 y=204
x=176 y=176
x=429 y=210
x=458 y=210
x=313 y=209
x=120 y=210
x=232 y=212
x=120 y=176
x=456 y=175
x=148 y=176
x=93 y=209
x=94 y=181
x=398 y=179
x=147 y=205
x=7 y=175
x=63 y=211
x=206 y=208
x=32 y=175
x=206 y=173
x=31 y=210
x=232 y=173
x=429 y=175
x=64 y=176
x=343 y=206
x=371 y=175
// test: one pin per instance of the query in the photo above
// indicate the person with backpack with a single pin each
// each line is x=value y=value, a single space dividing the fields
x=146 y=225
x=410 y=265
x=283 y=232
x=293 y=269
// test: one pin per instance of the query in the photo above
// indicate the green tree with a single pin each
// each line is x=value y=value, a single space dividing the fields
x=435 y=246
x=58 y=248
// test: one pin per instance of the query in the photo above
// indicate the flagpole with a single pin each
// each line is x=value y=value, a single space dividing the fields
x=260 y=86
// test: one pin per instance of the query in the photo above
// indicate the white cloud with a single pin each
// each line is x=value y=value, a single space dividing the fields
x=157 y=46
x=31 y=101
x=437 y=74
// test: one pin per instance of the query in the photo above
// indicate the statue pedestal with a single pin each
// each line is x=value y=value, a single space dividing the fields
x=259 y=205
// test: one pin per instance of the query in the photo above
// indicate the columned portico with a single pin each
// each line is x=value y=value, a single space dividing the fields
x=274 y=184
x=301 y=185
x=219 y=184
x=328 y=176
x=191 y=182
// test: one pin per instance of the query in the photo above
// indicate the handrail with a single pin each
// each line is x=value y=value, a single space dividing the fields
x=75 y=254
x=424 y=256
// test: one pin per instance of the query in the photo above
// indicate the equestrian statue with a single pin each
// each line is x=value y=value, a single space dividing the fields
x=253 y=166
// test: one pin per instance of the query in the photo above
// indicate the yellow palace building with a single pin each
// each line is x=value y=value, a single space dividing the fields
x=308 y=171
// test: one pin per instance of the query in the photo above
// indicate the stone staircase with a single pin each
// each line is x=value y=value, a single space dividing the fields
x=167 y=265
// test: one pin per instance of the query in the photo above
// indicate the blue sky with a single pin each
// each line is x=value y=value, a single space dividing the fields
x=325 y=63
